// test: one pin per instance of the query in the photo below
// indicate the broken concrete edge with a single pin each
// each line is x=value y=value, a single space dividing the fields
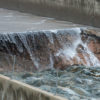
x=36 y=92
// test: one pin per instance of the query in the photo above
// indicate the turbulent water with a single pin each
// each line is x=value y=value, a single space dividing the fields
x=77 y=11
x=74 y=83
x=43 y=48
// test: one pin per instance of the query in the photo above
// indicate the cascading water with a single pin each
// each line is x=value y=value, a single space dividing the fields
x=69 y=51
x=24 y=53
x=44 y=48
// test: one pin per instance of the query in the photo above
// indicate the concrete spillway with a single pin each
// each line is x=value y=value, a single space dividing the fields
x=78 y=11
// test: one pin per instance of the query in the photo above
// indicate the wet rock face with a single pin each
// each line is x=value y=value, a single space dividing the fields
x=94 y=45
x=83 y=57
x=93 y=41
x=59 y=49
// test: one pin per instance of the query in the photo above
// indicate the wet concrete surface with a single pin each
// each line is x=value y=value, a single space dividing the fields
x=85 y=12
x=14 y=21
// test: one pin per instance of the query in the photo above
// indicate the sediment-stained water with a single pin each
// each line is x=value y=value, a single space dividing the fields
x=74 y=83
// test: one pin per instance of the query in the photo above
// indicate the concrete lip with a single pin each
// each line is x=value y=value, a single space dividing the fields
x=14 y=90
x=17 y=22
x=14 y=21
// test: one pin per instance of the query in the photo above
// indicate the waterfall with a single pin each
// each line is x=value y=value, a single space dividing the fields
x=46 y=48
x=70 y=51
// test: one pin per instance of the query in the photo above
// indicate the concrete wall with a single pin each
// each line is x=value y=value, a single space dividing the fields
x=14 y=90
x=78 y=11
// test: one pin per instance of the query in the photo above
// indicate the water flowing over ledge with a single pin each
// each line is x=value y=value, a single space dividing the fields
x=49 y=49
